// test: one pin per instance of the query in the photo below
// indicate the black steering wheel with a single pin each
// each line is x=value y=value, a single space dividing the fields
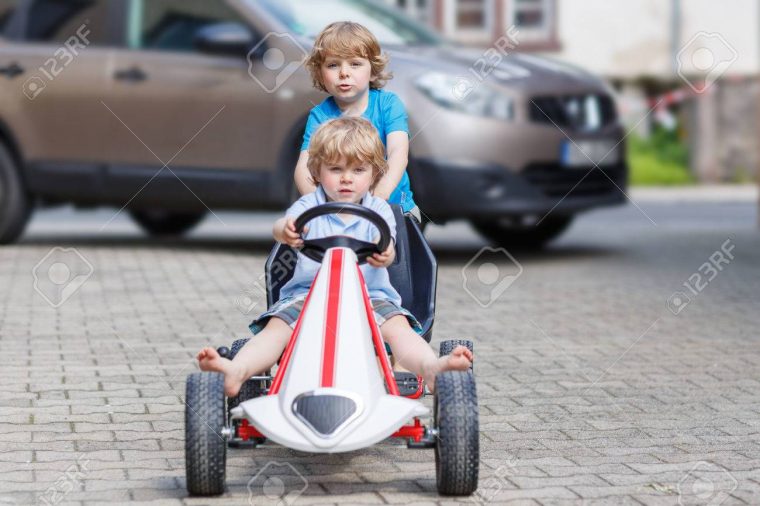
x=316 y=248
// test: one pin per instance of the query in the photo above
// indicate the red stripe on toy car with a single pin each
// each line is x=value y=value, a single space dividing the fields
x=330 y=338
x=377 y=338
x=285 y=358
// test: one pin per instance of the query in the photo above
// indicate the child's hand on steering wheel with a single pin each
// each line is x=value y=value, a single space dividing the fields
x=293 y=238
x=383 y=259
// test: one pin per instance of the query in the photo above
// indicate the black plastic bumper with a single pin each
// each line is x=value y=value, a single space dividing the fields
x=453 y=190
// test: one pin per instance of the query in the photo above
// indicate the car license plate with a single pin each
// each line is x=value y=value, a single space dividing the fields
x=587 y=153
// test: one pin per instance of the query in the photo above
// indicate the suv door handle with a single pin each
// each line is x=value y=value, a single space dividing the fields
x=12 y=70
x=133 y=74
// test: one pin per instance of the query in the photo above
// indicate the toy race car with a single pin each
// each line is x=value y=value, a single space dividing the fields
x=328 y=393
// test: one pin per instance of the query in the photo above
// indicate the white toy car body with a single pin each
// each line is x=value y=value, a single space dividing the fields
x=334 y=389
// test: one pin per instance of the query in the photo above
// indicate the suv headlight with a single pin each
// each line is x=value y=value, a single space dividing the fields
x=466 y=95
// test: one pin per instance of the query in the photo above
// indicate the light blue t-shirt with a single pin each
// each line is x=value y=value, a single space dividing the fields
x=387 y=113
x=377 y=279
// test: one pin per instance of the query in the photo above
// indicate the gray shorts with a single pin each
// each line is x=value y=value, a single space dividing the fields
x=289 y=309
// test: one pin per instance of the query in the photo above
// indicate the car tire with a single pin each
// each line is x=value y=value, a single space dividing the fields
x=205 y=448
x=15 y=200
x=457 y=448
x=448 y=346
x=164 y=223
x=523 y=237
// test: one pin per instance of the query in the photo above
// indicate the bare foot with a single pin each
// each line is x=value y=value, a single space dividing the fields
x=210 y=360
x=459 y=359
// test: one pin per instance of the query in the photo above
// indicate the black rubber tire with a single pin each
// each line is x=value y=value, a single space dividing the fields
x=457 y=449
x=525 y=238
x=205 y=448
x=449 y=345
x=15 y=201
x=164 y=223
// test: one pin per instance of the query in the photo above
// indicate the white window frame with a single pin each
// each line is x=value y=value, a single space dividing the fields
x=469 y=34
x=544 y=34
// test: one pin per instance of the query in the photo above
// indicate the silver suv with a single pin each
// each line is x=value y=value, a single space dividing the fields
x=170 y=108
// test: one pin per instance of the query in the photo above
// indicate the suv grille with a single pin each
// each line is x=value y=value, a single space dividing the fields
x=578 y=112
x=557 y=181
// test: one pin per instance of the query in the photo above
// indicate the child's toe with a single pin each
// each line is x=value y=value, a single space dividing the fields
x=462 y=351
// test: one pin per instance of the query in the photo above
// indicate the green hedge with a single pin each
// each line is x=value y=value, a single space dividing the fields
x=662 y=159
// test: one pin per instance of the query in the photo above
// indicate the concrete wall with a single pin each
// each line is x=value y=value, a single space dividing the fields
x=722 y=126
x=736 y=21
x=633 y=38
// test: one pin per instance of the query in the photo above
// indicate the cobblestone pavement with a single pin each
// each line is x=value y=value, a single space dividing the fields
x=598 y=382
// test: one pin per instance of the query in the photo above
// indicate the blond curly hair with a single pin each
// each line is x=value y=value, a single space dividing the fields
x=346 y=39
x=348 y=138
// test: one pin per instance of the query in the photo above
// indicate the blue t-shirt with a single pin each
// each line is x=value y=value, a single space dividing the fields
x=387 y=113
x=377 y=278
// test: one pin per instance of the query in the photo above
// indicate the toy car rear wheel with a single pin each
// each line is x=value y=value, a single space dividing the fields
x=448 y=346
x=205 y=448
x=457 y=448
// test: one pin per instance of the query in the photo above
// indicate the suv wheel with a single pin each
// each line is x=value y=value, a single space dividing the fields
x=15 y=201
x=523 y=237
x=160 y=223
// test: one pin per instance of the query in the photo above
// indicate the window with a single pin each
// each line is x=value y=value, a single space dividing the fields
x=309 y=17
x=55 y=21
x=536 y=21
x=471 y=14
x=7 y=9
x=530 y=14
x=171 y=25
x=470 y=21
x=420 y=10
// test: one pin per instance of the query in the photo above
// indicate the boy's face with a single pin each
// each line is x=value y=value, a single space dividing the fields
x=347 y=79
x=344 y=183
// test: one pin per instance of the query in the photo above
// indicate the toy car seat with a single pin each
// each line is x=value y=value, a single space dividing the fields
x=413 y=273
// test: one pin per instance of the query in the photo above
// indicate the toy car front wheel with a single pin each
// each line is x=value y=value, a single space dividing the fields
x=448 y=346
x=457 y=448
x=205 y=447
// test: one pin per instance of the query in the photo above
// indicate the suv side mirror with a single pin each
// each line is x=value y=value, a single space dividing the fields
x=228 y=39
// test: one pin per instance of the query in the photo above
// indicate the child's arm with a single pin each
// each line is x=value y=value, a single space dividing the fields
x=385 y=258
x=302 y=177
x=398 y=157
x=284 y=231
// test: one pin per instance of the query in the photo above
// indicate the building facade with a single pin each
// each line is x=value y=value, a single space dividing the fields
x=480 y=22
x=696 y=59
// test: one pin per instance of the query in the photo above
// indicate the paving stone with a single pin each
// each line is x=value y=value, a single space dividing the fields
x=576 y=406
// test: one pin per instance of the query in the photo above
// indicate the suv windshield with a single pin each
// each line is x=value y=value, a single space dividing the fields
x=308 y=18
